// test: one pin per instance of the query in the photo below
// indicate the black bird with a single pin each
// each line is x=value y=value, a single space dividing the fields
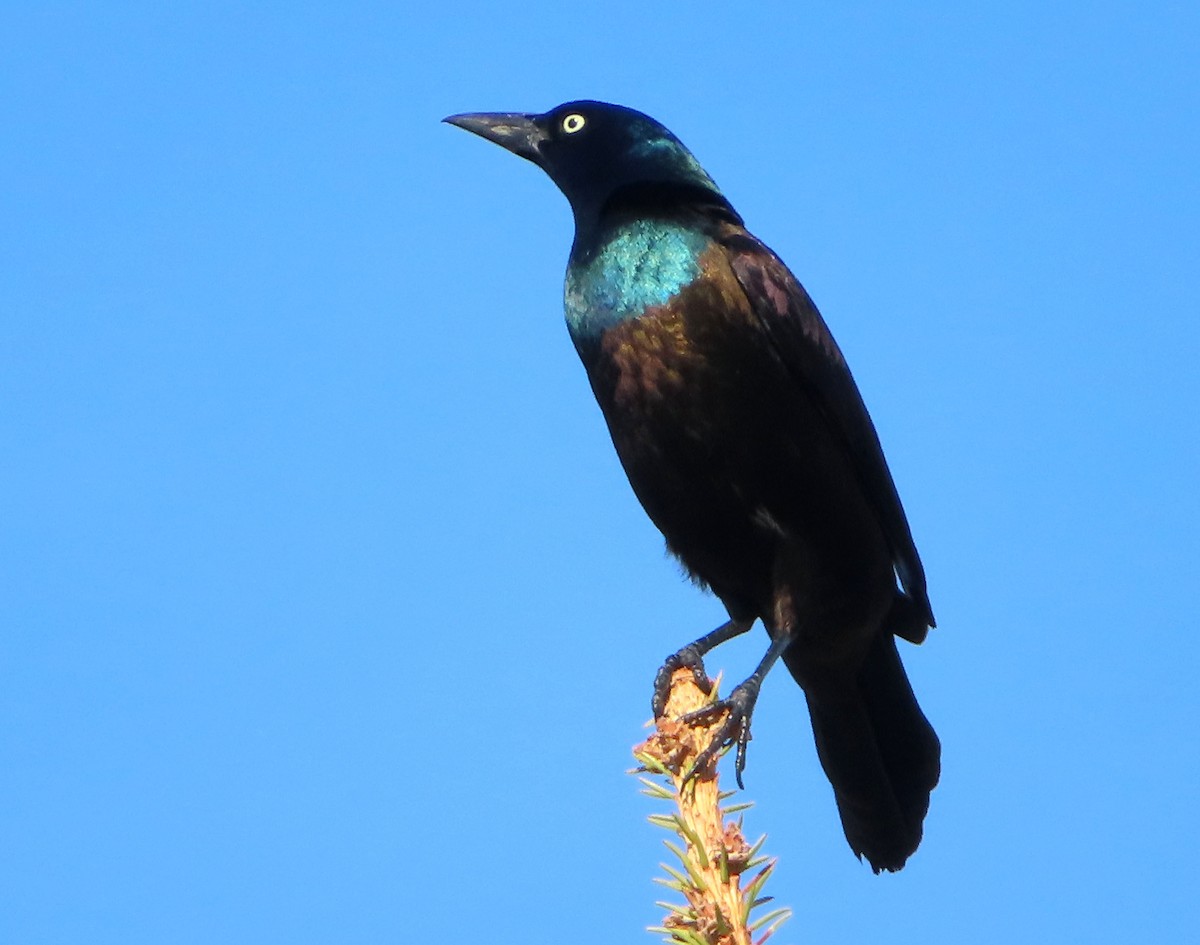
x=748 y=444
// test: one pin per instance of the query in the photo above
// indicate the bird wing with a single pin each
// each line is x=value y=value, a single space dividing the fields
x=806 y=347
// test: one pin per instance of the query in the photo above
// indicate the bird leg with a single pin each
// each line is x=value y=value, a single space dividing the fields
x=692 y=657
x=738 y=706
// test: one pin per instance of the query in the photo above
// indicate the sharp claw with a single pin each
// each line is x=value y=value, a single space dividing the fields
x=702 y=761
x=692 y=657
x=687 y=657
x=735 y=730
x=740 y=764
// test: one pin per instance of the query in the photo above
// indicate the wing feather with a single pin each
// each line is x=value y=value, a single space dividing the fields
x=806 y=347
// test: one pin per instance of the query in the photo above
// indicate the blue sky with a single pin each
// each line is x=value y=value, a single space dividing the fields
x=327 y=612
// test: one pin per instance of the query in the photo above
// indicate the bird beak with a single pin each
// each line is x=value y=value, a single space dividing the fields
x=519 y=134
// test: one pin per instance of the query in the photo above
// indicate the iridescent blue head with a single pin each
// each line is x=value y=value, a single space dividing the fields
x=594 y=151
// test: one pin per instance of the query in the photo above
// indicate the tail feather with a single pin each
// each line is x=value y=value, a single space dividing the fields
x=881 y=756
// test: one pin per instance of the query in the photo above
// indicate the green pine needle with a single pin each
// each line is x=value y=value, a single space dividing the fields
x=697 y=878
x=682 y=880
x=654 y=789
x=774 y=925
x=666 y=821
x=694 y=839
x=769 y=917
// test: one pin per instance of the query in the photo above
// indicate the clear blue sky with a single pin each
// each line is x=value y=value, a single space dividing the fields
x=326 y=614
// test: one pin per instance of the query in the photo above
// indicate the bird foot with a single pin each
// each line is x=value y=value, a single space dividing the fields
x=734 y=730
x=688 y=658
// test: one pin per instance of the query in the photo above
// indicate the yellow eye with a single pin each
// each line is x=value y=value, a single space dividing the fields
x=573 y=123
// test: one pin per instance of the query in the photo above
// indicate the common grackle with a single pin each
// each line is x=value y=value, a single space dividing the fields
x=748 y=444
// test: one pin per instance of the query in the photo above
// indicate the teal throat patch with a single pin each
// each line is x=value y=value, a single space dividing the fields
x=643 y=263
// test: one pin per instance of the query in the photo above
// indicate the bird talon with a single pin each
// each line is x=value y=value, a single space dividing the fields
x=734 y=730
x=689 y=657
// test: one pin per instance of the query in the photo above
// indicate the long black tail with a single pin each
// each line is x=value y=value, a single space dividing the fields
x=880 y=754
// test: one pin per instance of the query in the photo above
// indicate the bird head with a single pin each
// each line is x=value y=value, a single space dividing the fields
x=593 y=151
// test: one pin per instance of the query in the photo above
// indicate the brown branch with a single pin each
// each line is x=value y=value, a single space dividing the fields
x=714 y=853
